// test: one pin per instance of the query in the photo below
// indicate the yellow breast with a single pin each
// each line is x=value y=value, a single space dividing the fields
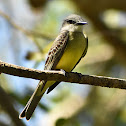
x=73 y=51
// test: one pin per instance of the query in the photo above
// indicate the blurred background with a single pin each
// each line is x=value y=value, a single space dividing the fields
x=27 y=28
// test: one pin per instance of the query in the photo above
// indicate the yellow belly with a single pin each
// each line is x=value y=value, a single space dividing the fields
x=74 y=50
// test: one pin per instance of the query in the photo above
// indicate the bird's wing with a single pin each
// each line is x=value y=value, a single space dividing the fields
x=85 y=51
x=52 y=87
x=56 y=51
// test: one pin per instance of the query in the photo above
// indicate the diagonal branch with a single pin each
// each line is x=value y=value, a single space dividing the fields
x=59 y=76
x=23 y=30
x=6 y=103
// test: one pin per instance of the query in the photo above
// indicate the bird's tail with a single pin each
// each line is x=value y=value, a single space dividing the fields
x=33 y=101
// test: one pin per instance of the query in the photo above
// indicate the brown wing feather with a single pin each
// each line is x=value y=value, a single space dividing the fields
x=56 y=51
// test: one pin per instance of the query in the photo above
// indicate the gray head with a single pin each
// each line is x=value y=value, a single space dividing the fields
x=73 y=23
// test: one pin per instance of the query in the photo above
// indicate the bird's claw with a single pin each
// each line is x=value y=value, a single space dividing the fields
x=63 y=72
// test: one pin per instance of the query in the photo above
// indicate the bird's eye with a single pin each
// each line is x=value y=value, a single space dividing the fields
x=71 y=21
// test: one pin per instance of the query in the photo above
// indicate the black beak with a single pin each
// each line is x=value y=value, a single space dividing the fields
x=82 y=23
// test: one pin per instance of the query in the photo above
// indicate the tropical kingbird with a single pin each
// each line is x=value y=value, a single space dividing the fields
x=67 y=50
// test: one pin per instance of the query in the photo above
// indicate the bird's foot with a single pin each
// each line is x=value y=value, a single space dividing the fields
x=63 y=72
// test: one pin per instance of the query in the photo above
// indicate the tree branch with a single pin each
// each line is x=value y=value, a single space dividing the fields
x=59 y=76
x=23 y=30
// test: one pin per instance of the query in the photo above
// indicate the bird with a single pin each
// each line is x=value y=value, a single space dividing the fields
x=69 y=47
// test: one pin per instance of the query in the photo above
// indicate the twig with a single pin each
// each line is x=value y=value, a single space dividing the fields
x=59 y=76
x=6 y=103
x=26 y=32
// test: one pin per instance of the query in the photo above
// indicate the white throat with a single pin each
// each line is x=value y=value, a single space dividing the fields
x=72 y=28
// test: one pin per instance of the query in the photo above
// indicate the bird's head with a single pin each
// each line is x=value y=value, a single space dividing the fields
x=73 y=23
